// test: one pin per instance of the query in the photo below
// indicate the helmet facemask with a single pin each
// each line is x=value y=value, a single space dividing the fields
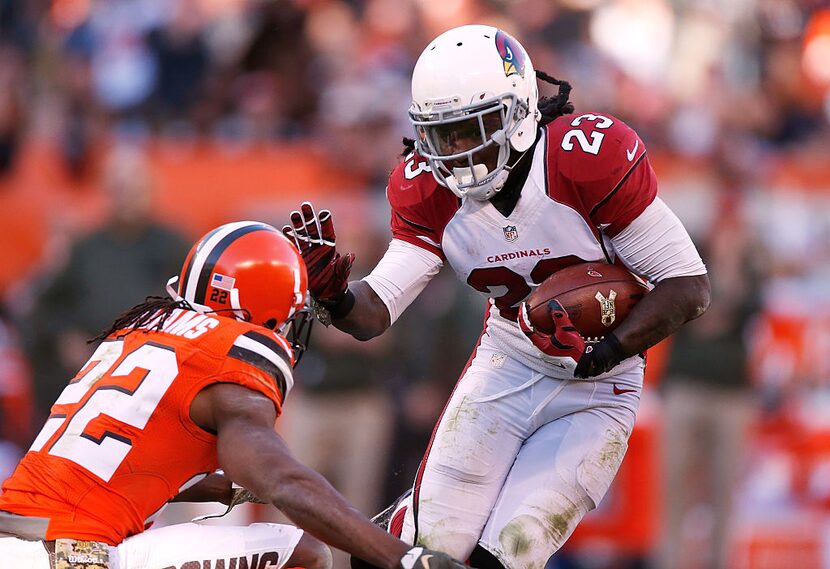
x=463 y=134
x=297 y=330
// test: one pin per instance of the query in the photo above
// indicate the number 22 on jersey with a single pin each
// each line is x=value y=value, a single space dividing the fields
x=131 y=403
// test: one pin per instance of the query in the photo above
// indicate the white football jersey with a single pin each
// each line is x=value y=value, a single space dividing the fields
x=588 y=180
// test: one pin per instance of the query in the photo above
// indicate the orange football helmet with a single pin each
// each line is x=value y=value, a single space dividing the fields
x=249 y=270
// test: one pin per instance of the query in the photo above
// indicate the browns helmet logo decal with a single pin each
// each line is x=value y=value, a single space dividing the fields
x=511 y=53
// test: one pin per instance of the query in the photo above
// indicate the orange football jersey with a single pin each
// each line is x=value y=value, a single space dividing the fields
x=119 y=442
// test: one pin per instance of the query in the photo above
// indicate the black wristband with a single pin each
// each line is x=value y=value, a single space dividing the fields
x=614 y=347
x=608 y=352
x=600 y=357
x=341 y=307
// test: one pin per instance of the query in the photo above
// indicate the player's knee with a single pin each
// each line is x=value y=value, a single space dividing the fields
x=529 y=540
x=310 y=553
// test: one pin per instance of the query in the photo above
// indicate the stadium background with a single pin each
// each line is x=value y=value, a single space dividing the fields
x=129 y=127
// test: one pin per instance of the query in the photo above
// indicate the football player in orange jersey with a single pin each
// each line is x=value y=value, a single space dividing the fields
x=177 y=389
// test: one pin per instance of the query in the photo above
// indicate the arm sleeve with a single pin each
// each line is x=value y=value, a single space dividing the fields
x=657 y=246
x=630 y=198
x=401 y=275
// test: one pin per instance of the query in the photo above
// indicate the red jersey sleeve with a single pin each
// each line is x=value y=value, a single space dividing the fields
x=598 y=165
x=421 y=208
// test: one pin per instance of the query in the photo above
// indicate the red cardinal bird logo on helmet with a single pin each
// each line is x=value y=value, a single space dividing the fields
x=512 y=54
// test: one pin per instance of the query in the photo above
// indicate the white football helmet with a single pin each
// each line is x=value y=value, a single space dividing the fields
x=473 y=87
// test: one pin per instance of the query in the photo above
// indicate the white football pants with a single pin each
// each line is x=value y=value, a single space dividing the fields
x=518 y=458
x=182 y=546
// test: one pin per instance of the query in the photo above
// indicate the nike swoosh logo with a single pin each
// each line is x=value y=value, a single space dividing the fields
x=630 y=153
x=557 y=364
x=425 y=561
x=618 y=391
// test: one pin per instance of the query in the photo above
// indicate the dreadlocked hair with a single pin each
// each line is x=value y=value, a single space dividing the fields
x=408 y=146
x=154 y=308
x=557 y=105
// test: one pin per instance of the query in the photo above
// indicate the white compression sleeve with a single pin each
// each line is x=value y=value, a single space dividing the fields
x=401 y=275
x=657 y=246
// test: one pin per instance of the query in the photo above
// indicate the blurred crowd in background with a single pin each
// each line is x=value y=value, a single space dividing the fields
x=130 y=127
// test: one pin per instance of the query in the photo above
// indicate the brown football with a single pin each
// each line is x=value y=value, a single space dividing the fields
x=596 y=296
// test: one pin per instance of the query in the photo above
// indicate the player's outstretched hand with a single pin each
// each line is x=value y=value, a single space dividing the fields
x=328 y=270
x=423 y=558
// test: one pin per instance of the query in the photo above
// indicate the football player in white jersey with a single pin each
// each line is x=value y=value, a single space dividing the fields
x=508 y=189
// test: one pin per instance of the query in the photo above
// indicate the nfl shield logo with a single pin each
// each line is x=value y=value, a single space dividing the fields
x=510 y=233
